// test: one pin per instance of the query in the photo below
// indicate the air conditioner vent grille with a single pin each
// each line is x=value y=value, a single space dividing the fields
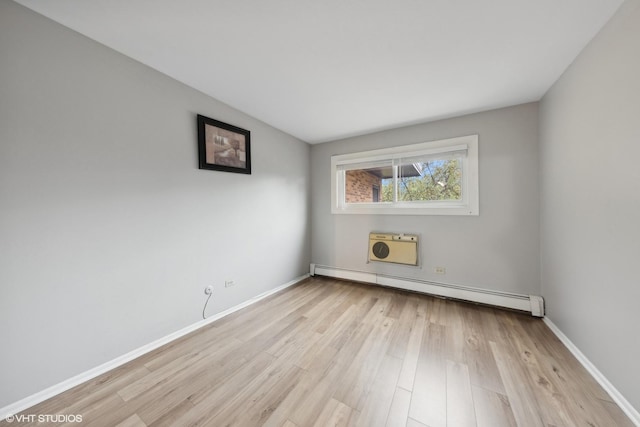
x=393 y=248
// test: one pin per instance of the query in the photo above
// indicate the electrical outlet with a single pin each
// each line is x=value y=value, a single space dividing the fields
x=208 y=290
x=440 y=270
x=229 y=283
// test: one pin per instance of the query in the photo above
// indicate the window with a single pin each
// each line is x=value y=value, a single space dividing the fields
x=431 y=178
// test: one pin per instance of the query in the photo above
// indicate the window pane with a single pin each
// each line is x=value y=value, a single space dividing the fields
x=369 y=185
x=430 y=179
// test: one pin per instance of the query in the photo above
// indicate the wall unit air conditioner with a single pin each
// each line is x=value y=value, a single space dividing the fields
x=394 y=248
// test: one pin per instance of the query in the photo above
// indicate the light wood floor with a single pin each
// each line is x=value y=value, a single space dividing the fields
x=329 y=352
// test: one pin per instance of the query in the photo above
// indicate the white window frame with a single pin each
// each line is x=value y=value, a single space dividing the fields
x=469 y=205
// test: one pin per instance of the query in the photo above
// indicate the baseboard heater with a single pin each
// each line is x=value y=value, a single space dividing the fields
x=530 y=303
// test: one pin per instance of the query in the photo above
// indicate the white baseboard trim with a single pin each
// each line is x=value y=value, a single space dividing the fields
x=617 y=397
x=63 y=386
x=529 y=303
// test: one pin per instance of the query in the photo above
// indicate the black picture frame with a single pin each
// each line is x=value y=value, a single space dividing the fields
x=223 y=147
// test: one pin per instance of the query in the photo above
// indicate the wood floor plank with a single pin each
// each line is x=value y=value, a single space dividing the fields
x=396 y=307
x=163 y=400
x=410 y=361
x=377 y=402
x=523 y=401
x=103 y=413
x=378 y=310
x=169 y=391
x=460 y=407
x=617 y=415
x=169 y=418
x=255 y=404
x=336 y=413
x=91 y=393
x=322 y=366
x=413 y=423
x=328 y=340
x=559 y=404
x=568 y=396
x=133 y=421
x=342 y=305
x=477 y=355
x=359 y=378
x=247 y=325
x=564 y=365
x=315 y=391
x=399 y=411
x=455 y=333
x=329 y=307
x=300 y=330
x=325 y=374
x=429 y=398
x=402 y=332
x=333 y=352
x=436 y=311
x=181 y=365
x=492 y=409
x=208 y=405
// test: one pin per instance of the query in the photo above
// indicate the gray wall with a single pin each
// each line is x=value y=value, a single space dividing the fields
x=496 y=250
x=108 y=231
x=590 y=201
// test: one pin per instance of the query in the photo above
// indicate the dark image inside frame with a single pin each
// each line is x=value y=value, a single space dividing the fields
x=223 y=147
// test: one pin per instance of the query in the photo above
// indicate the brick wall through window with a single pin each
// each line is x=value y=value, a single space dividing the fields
x=359 y=186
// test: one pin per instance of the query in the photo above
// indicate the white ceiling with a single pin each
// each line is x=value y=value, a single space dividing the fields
x=326 y=69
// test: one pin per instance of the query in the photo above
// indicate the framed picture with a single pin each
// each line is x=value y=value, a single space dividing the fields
x=223 y=147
